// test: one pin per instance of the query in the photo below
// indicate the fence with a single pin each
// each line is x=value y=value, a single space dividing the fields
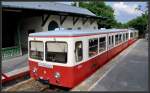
x=10 y=52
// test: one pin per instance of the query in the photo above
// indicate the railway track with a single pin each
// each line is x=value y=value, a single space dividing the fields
x=33 y=85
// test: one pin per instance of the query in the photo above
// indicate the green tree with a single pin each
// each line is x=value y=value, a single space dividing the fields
x=101 y=9
x=139 y=23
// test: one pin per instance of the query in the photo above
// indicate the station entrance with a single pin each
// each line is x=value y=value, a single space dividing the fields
x=13 y=36
x=10 y=35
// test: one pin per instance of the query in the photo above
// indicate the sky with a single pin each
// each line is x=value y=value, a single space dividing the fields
x=124 y=11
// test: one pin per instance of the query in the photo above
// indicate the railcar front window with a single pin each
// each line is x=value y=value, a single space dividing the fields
x=56 y=52
x=36 y=50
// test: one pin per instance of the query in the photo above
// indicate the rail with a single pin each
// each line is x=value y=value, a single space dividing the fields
x=32 y=85
x=10 y=52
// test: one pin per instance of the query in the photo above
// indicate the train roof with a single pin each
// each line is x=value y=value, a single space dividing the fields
x=75 y=32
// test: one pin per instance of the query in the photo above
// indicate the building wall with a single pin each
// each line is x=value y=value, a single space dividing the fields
x=34 y=23
x=69 y=24
x=27 y=24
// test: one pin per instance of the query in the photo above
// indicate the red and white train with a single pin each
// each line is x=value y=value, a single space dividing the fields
x=65 y=58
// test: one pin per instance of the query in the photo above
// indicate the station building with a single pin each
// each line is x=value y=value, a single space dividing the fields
x=19 y=19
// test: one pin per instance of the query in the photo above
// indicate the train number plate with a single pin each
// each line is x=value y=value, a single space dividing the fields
x=45 y=65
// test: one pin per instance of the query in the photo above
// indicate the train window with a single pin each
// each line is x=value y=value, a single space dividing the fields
x=134 y=34
x=131 y=34
x=93 y=47
x=110 y=41
x=127 y=36
x=116 y=39
x=124 y=37
x=69 y=28
x=102 y=44
x=56 y=51
x=78 y=51
x=79 y=28
x=120 y=38
x=36 y=50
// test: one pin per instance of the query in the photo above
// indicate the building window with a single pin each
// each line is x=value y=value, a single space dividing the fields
x=102 y=44
x=56 y=52
x=78 y=51
x=52 y=25
x=94 y=27
x=93 y=47
x=36 y=50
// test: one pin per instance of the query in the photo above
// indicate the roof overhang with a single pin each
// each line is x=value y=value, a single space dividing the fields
x=42 y=11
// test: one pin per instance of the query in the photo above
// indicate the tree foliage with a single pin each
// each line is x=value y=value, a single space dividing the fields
x=139 y=23
x=101 y=9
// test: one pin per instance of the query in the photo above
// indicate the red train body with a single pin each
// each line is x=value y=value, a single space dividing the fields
x=85 y=54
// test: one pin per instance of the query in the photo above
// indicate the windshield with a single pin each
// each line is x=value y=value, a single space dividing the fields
x=36 y=50
x=56 y=52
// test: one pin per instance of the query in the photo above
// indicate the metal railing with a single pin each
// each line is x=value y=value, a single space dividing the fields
x=10 y=52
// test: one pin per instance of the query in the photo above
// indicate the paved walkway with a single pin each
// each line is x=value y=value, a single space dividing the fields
x=130 y=73
x=126 y=72
x=14 y=64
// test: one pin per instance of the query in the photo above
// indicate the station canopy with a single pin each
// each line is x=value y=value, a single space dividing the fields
x=51 y=7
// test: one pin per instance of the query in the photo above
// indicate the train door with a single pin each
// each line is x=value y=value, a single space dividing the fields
x=79 y=68
x=93 y=51
x=125 y=44
x=110 y=46
x=102 y=48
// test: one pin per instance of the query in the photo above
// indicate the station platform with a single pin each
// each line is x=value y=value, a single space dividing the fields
x=15 y=67
x=128 y=71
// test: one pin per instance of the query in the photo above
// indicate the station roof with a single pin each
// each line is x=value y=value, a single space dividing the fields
x=49 y=6
x=75 y=32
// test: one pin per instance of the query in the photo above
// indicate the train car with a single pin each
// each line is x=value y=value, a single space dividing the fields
x=133 y=36
x=67 y=57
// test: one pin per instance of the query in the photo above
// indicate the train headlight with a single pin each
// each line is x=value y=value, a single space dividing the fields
x=57 y=75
